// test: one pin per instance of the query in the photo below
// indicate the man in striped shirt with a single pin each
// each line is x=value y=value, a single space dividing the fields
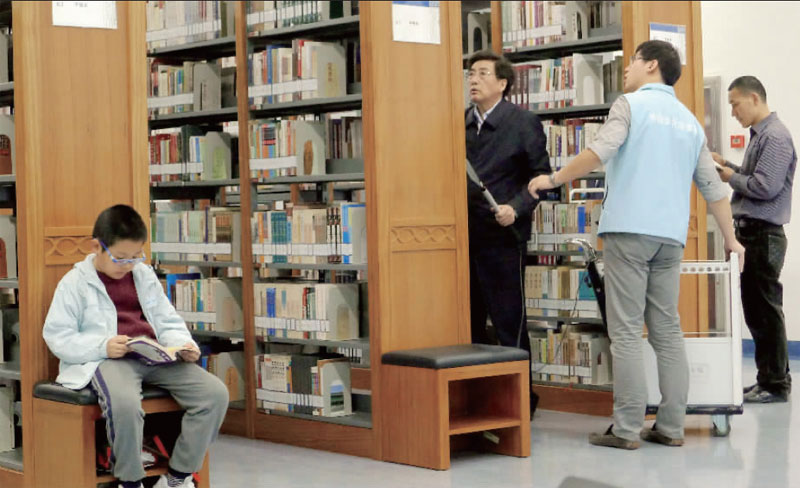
x=762 y=204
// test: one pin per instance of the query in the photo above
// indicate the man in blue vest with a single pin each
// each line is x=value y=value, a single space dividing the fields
x=653 y=148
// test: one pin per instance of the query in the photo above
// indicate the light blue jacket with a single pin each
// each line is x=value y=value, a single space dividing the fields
x=82 y=318
x=649 y=182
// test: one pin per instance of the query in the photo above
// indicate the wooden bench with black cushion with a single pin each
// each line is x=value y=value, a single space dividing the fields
x=64 y=434
x=473 y=396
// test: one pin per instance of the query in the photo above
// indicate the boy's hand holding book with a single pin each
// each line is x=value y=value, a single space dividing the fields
x=117 y=346
x=189 y=353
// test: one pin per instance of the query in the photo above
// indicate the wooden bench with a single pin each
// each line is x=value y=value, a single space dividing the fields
x=470 y=396
x=64 y=435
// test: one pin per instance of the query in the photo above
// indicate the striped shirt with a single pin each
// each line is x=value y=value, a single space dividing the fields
x=479 y=118
x=762 y=186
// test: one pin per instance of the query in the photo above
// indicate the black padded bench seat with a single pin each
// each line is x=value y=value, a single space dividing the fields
x=54 y=392
x=454 y=356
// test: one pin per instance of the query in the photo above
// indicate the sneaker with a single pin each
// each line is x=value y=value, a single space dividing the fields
x=140 y=485
x=763 y=396
x=610 y=440
x=652 y=435
x=162 y=483
x=748 y=389
x=148 y=460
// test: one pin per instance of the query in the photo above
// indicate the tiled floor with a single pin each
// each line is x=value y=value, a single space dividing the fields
x=758 y=453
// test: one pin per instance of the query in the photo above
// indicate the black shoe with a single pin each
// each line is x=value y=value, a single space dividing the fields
x=748 y=389
x=534 y=403
x=764 y=396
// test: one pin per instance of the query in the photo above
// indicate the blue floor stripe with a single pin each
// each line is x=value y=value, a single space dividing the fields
x=749 y=348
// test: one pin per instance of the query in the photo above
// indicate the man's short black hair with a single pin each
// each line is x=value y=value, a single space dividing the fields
x=503 y=69
x=669 y=61
x=119 y=223
x=749 y=84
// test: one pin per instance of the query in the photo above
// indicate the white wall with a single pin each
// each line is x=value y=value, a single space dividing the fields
x=761 y=39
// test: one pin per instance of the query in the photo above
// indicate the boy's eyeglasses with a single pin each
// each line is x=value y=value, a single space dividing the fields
x=123 y=262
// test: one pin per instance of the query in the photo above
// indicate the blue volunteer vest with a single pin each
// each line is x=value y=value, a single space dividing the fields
x=649 y=181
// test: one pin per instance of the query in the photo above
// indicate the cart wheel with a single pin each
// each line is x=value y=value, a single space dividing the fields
x=721 y=425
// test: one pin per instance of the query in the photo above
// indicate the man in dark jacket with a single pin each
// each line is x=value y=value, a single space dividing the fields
x=507 y=147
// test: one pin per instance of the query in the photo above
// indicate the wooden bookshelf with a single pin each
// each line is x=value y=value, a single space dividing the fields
x=83 y=91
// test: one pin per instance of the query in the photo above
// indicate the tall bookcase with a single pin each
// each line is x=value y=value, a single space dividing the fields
x=10 y=461
x=633 y=30
x=80 y=110
x=417 y=270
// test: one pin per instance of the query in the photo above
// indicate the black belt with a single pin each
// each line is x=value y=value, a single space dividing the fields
x=751 y=223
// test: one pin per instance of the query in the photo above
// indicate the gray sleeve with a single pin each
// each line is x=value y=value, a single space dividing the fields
x=706 y=177
x=614 y=132
x=732 y=166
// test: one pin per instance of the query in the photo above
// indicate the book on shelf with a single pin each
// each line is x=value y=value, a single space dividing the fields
x=7 y=424
x=567 y=138
x=559 y=291
x=286 y=147
x=208 y=304
x=8 y=246
x=263 y=16
x=178 y=23
x=150 y=352
x=5 y=44
x=9 y=334
x=311 y=384
x=215 y=150
x=189 y=86
x=185 y=153
x=208 y=234
x=575 y=80
x=8 y=155
x=344 y=135
x=172 y=154
x=228 y=367
x=535 y=23
x=613 y=77
x=322 y=311
x=311 y=234
x=300 y=71
x=571 y=356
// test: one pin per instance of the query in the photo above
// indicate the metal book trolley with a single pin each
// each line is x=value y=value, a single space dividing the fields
x=715 y=357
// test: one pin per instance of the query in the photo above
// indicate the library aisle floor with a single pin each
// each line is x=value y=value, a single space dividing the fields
x=757 y=454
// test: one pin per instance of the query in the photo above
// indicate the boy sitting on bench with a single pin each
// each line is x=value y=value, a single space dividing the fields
x=106 y=299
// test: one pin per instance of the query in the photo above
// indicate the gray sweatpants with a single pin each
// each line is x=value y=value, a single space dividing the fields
x=642 y=282
x=118 y=383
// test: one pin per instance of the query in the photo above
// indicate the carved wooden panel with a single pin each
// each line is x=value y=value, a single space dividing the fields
x=423 y=238
x=66 y=245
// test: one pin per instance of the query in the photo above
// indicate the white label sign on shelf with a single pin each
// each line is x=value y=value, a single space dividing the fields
x=197 y=316
x=175 y=168
x=273 y=163
x=673 y=34
x=416 y=22
x=191 y=248
x=90 y=15
x=171 y=100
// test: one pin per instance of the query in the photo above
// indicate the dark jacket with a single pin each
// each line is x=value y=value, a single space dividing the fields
x=509 y=151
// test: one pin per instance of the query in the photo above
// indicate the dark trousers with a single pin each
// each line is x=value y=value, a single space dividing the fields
x=762 y=301
x=497 y=275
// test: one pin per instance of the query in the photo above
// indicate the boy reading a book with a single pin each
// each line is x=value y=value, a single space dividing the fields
x=105 y=300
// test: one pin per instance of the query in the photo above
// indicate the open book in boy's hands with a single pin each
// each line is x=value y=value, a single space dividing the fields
x=151 y=352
